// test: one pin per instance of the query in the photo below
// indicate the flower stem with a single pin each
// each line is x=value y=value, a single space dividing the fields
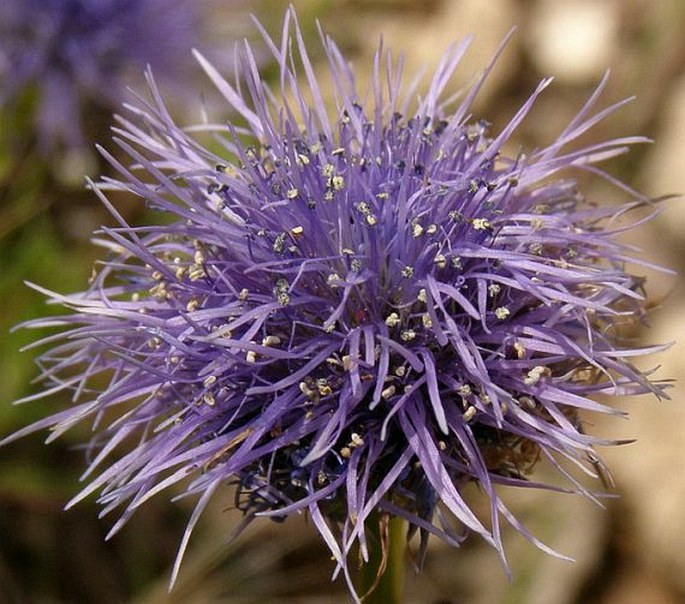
x=383 y=576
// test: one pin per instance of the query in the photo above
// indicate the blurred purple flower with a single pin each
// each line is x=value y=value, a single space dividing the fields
x=349 y=314
x=73 y=54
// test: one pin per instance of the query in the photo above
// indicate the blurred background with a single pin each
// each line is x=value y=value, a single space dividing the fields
x=631 y=551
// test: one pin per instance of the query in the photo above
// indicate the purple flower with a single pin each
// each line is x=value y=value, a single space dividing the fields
x=73 y=54
x=348 y=312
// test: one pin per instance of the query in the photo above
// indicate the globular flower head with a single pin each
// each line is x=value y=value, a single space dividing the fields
x=347 y=312
x=70 y=55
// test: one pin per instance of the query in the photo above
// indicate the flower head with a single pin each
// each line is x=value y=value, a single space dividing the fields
x=347 y=312
x=71 y=54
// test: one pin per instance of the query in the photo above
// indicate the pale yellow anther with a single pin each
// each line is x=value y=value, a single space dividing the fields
x=494 y=289
x=502 y=312
x=392 y=319
x=388 y=392
x=520 y=349
x=527 y=401
x=469 y=413
x=310 y=393
x=355 y=440
x=196 y=272
x=535 y=374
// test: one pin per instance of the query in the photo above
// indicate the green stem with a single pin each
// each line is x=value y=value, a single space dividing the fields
x=383 y=576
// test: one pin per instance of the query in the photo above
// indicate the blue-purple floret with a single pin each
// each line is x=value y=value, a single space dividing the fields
x=348 y=313
x=73 y=55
